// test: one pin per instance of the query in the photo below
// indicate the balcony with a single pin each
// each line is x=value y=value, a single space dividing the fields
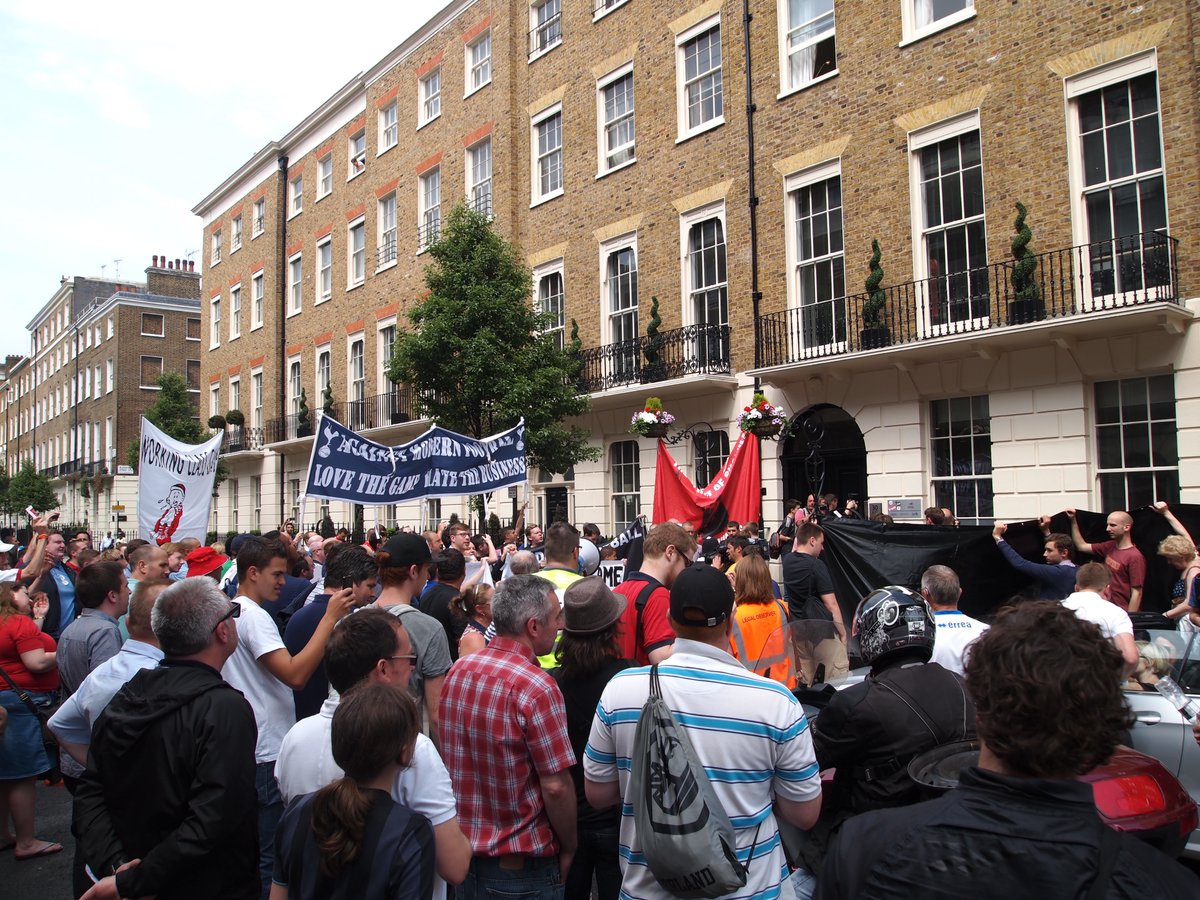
x=546 y=34
x=481 y=199
x=387 y=249
x=379 y=411
x=691 y=350
x=239 y=438
x=1073 y=284
x=393 y=408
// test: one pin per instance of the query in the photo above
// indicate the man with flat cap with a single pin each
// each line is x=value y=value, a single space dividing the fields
x=741 y=724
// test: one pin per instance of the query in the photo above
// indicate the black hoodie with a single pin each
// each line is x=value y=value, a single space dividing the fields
x=170 y=781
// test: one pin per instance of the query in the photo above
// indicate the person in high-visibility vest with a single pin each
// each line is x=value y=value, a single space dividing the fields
x=759 y=637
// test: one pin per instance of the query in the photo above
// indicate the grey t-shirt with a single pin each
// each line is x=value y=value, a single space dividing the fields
x=429 y=645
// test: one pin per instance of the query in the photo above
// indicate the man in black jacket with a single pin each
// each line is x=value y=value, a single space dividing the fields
x=905 y=706
x=1019 y=825
x=167 y=805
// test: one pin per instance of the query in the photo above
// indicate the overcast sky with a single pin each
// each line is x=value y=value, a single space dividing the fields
x=120 y=117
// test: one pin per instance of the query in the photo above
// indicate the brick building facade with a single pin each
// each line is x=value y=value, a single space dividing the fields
x=75 y=406
x=617 y=145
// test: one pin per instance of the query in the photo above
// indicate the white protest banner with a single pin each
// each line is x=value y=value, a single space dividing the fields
x=175 y=483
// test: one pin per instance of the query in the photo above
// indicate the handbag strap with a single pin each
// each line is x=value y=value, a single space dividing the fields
x=23 y=696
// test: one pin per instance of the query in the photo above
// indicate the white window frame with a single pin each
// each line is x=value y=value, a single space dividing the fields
x=634 y=467
x=387 y=243
x=358 y=225
x=681 y=85
x=296 y=195
x=257 y=299
x=955 y=126
x=383 y=354
x=429 y=103
x=256 y=398
x=536 y=197
x=214 y=322
x=356 y=381
x=111 y=379
x=477 y=74
x=258 y=223
x=551 y=28
x=295 y=374
x=389 y=127
x=295 y=284
x=786 y=87
x=602 y=123
x=483 y=202
x=216 y=248
x=821 y=172
x=161 y=369
x=1096 y=79
x=235 y=311
x=325 y=175
x=911 y=31
x=686 y=221
x=323 y=373
x=600 y=9
x=235 y=392
x=323 y=283
x=214 y=399
x=356 y=162
x=554 y=267
x=429 y=227
x=235 y=237
x=607 y=249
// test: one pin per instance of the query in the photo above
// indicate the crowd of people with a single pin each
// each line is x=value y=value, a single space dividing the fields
x=440 y=714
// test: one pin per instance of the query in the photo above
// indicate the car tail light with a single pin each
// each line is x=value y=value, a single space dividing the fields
x=1128 y=795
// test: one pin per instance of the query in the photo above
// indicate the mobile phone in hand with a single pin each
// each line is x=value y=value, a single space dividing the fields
x=31 y=512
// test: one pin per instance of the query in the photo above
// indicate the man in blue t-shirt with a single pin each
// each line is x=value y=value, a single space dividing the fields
x=59 y=585
x=346 y=566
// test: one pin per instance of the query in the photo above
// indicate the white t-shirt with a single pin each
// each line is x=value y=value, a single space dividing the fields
x=306 y=764
x=955 y=630
x=1091 y=607
x=272 y=701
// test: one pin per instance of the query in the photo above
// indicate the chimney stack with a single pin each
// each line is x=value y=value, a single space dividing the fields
x=173 y=278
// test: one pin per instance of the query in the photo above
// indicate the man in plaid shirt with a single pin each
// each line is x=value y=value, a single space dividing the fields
x=505 y=740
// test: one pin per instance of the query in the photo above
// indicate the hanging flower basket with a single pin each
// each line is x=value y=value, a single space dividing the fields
x=651 y=421
x=762 y=418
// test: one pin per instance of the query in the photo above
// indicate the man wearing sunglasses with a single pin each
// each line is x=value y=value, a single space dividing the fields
x=169 y=788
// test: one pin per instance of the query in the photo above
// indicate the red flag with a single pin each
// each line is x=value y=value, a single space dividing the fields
x=737 y=487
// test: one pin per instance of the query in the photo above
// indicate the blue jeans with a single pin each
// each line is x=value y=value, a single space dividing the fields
x=537 y=879
x=270 y=808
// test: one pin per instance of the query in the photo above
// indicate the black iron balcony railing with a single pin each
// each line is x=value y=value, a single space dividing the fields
x=1124 y=272
x=65 y=468
x=242 y=437
x=691 y=350
x=89 y=470
x=387 y=249
x=545 y=35
x=600 y=6
x=481 y=200
x=429 y=231
x=392 y=408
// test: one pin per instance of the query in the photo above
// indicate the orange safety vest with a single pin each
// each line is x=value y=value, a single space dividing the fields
x=760 y=641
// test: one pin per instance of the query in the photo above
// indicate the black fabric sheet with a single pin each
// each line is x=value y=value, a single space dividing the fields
x=863 y=556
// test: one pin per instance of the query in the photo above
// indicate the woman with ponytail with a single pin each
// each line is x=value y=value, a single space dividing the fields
x=350 y=839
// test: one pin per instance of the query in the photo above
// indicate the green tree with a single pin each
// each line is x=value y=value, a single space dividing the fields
x=30 y=488
x=175 y=413
x=477 y=356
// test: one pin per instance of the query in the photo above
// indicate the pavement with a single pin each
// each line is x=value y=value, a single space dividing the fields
x=47 y=877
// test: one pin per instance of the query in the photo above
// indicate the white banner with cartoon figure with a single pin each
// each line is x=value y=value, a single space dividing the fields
x=175 y=483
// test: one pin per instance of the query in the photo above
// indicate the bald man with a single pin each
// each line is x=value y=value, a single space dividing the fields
x=1125 y=563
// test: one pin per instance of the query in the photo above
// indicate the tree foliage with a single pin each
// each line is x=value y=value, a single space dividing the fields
x=174 y=412
x=29 y=488
x=476 y=355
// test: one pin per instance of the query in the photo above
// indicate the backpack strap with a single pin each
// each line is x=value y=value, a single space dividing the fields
x=1110 y=848
x=640 y=602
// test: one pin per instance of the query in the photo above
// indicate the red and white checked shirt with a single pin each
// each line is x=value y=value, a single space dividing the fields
x=503 y=726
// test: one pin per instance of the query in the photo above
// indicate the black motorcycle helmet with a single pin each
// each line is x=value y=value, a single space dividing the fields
x=893 y=619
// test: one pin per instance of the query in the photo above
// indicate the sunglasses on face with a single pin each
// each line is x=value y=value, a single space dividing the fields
x=234 y=612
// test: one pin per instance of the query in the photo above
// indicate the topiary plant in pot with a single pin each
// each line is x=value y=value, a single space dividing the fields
x=1026 y=304
x=874 y=333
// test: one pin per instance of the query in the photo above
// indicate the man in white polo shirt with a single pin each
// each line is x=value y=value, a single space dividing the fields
x=1089 y=604
x=263 y=670
x=955 y=629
